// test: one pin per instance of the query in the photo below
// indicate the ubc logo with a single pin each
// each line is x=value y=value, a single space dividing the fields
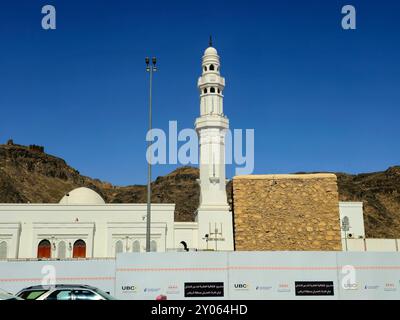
x=129 y=288
x=241 y=286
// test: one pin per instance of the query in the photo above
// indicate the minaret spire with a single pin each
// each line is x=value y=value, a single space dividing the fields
x=211 y=128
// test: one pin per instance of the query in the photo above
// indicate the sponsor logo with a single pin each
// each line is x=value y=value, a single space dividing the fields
x=314 y=288
x=262 y=288
x=369 y=287
x=390 y=287
x=150 y=290
x=241 y=286
x=350 y=286
x=173 y=289
x=283 y=287
x=129 y=289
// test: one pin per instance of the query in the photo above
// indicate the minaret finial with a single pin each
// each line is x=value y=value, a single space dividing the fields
x=210 y=42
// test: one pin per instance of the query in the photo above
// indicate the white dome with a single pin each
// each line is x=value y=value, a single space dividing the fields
x=82 y=196
x=210 y=51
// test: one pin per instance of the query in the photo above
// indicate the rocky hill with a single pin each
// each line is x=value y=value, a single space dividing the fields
x=27 y=174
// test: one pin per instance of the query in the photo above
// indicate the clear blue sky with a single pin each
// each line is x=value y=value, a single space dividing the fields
x=319 y=98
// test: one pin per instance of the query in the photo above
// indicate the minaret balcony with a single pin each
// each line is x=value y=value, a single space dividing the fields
x=212 y=121
x=211 y=79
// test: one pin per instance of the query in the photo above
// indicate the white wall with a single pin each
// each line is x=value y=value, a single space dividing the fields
x=188 y=232
x=354 y=211
x=23 y=226
x=377 y=245
x=16 y=275
x=353 y=245
x=259 y=275
x=381 y=244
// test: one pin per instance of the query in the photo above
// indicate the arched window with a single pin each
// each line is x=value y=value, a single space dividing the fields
x=62 y=250
x=3 y=250
x=44 y=249
x=79 y=250
x=205 y=68
x=211 y=67
x=119 y=247
x=205 y=90
x=212 y=90
x=219 y=91
x=153 y=246
x=136 y=246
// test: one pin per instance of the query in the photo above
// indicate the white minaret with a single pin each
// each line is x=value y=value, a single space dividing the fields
x=213 y=215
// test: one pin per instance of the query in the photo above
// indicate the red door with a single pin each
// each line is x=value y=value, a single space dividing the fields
x=79 y=249
x=44 y=249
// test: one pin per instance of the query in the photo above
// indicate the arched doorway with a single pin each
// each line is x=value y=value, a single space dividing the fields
x=44 y=249
x=79 y=250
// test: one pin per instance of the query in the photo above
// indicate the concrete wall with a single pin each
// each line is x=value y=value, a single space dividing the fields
x=286 y=212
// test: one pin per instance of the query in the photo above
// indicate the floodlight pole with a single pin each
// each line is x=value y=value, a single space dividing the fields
x=150 y=69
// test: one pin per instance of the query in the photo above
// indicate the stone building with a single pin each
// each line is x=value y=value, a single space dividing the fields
x=286 y=212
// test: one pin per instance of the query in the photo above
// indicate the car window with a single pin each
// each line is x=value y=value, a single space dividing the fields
x=105 y=295
x=86 y=295
x=60 y=295
x=31 y=294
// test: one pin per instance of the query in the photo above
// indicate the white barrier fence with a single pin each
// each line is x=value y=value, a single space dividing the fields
x=259 y=275
x=370 y=244
x=18 y=274
x=222 y=275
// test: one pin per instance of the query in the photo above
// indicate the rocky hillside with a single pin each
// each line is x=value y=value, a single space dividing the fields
x=380 y=192
x=27 y=174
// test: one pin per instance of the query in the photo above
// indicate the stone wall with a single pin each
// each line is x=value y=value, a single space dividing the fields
x=286 y=212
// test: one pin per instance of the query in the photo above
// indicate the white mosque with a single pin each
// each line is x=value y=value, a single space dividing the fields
x=82 y=225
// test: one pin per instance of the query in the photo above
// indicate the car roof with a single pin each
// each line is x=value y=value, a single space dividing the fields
x=60 y=286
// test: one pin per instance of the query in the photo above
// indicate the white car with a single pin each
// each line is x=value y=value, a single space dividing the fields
x=64 y=292
x=8 y=296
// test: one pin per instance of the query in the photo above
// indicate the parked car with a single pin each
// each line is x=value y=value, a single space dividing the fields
x=8 y=296
x=64 y=292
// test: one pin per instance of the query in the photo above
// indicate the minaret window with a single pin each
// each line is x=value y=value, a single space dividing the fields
x=219 y=91
x=212 y=90
x=205 y=68
x=205 y=90
x=211 y=67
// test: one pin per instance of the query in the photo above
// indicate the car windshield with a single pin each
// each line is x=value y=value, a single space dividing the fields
x=31 y=294
x=105 y=295
x=6 y=296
